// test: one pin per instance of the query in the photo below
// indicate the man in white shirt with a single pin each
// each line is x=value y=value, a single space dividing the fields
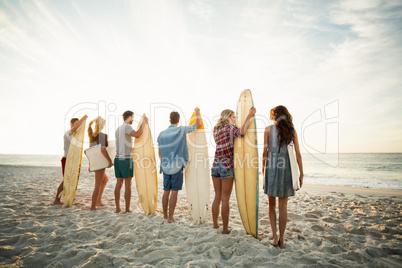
x=123 y=162
x=68 y=135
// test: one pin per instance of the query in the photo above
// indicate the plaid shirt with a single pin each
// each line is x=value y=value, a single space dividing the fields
x=224 y=139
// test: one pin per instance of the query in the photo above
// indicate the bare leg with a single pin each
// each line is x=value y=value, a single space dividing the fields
x=57 y=200
x=98 y=181
x=227 y=186
x=127 y=193
x=172 y=206
x=117 y=191
x=272 y=218
x=165 y=202
x=283 y=218
x=217 y=201
x=102 y=188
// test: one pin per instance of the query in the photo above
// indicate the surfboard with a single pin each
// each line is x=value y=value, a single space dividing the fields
x=73 y=166
x=246 y=166
x=294 y=166
x=145 y=170
x=95 y=157
x=197 y=174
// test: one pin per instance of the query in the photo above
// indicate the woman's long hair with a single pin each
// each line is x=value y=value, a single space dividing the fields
x=284 y=124
x=224 y=119
x=99 y=125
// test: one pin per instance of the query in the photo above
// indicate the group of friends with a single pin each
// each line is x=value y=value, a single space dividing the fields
x=173 y=153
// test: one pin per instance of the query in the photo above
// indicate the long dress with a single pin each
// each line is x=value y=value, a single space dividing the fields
x=278 y=174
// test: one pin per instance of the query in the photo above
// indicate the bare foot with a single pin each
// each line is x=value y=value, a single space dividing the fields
x=226 y=232
x=171 y=220
x=118 y=210
x=275 y=241
x=92 y=209
x=216 y=226
x=281 y=244
x=101 y=204
x=165 y=217
x=58 y=202
x=128 y=211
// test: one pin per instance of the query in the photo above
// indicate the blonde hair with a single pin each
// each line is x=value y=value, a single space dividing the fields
x=99 y=125
x=224 y=119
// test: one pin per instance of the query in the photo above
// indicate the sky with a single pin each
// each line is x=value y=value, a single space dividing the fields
x=336 y=66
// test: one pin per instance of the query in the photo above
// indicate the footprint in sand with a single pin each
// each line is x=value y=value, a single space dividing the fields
x=318 y=228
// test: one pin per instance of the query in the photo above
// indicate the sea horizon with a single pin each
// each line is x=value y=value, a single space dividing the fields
x=361 y=170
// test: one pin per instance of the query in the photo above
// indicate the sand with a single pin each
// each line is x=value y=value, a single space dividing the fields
x=327 y=227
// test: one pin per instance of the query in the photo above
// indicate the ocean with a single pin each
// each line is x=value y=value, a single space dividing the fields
x=375 y=171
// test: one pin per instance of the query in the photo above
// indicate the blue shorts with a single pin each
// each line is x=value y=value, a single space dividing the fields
x=220 y=171
x=173 y=182
x=123 y=167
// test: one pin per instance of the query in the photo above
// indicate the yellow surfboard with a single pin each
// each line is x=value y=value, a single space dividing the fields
x=73 y=166
x=197 y=174
x=145 y=170
x=246 y=166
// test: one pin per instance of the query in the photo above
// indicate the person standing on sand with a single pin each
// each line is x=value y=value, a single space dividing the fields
x=276 y=164
x=75 y=123
x=123 y=162
x=173 y=153
x=222 y=171
x=97 y=137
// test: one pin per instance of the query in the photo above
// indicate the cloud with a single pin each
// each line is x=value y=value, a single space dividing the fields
x=202 y=9
x=304 y=54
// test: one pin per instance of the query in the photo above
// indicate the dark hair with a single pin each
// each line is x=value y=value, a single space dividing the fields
x=73 y=120
x=284 y=124
x=174 y=117
x=127 y=114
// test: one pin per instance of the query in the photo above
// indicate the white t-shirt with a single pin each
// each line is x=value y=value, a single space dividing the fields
x=67 y=140
x=124 y=142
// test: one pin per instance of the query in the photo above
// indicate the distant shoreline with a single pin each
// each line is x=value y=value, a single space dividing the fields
x=321 y=188
x=313 y=188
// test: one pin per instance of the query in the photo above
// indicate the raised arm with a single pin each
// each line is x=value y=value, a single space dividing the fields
x=197 y=117
x=299 y=158
x=244 y=127
x=78 y=124
x=138 y=133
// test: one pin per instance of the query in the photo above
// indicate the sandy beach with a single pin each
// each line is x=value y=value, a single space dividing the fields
x=327 y=227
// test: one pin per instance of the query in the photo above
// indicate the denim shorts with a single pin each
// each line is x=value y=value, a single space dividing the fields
x=220 y=171
x=173 y=182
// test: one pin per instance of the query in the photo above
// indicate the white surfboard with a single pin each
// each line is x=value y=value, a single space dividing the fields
x=197 y=174
x=294 y=167
x=95 y=157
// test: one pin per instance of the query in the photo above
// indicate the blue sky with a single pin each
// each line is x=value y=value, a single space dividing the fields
x=68 y=58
